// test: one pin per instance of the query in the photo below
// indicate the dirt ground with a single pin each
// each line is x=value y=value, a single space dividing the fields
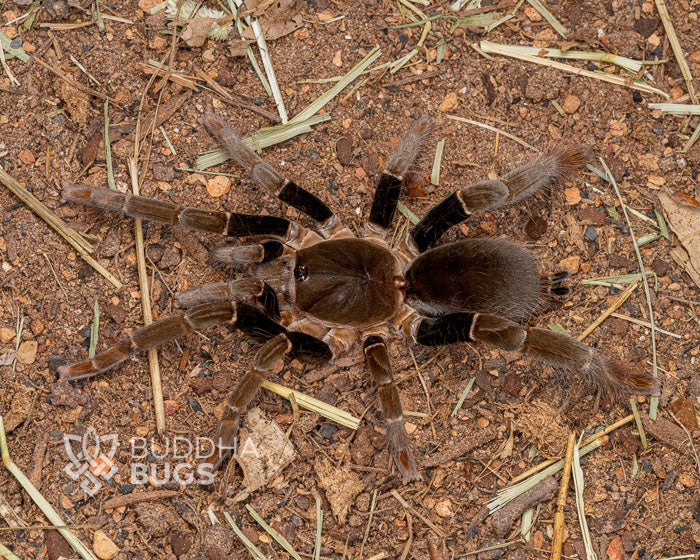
x=640 y=502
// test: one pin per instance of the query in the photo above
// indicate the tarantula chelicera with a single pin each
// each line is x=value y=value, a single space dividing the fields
x=318 y=294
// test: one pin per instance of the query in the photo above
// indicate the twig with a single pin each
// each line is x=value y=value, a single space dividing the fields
x=413 y=78
x=645 y=324
x=70 y=81
x=549 y=16
x=129 y=499
x=610 y=310
x=580 y=509
x=108 y=150
x=654 y=405
x=558 y=538
x=39 y=500
x=494 y=129
x=63 y=229
x=319 y=528
x=372 y=506
x=638 y=421
x=146 y=306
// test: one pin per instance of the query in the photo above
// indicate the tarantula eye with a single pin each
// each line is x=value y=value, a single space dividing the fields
x=301 y=273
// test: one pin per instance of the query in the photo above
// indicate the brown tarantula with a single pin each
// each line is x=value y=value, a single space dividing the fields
x=315 y=295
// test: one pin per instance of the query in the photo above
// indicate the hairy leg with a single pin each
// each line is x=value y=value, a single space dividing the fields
x=268 y=177
x=612 y=377
x=388 y=188
x=231 y=224
x=489 y=195
x=377 y=356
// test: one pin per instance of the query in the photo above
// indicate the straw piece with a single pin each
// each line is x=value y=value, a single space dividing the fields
x=435 y=175
x=638 y=421
x=646 y=324
x=254 y=550
x=153 y=364
x=618 y=302
x=327 y=96
x=558 y=538
x=39 y=500
x=108 y=151
x=676 y=108
x=7 y=553
x=578 y=486
x=676 y=46
x=692 y=139
x=94 y=330
x=77 y=241
x=408 y=214
x=461 y=400
x=319 y=528
x=629 y=64
x=495 y=48
x=6 y=43
x=439 y=532
x=314 y=405
x=549 y=16
x=274 y=534
x=494 y=129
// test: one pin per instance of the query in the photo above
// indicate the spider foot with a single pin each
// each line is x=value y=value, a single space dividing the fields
x=400 y=448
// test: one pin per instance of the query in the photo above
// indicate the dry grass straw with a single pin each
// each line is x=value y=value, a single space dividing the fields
x=7 y=553
x=40 y=501
x=265 y=56
x=77 y=241
x=549 y=16
x=435 y=174
x=108 y=150
x=319 y=528
x=676 y=108
x=274 y=534
x=578 y=487
x=146 y=307
x=94 y=330
x=493 y=129
x=638 y=422
x=463 y=397
x=690 y=439
x=646 y=324
x=508 y=50
x=654 y=401
x=610 y=310
x=252 y=549
x=314 y=405
x=558 y=538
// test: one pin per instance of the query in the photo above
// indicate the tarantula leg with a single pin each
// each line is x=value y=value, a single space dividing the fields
x=220 y=291
x=489 y=195
x=379 y=365
x=236 y=255
x=267 y=176
x=202 y=316
x=231 y=224
x=267 y=361
x=391 y=180
x=612 y=377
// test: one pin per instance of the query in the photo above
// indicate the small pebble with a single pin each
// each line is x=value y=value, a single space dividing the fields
x=103 y=546
x=26 y=353
x=218 y=186
x=591 y=234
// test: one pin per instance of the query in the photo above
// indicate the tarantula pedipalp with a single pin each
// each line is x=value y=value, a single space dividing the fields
x=316 y=295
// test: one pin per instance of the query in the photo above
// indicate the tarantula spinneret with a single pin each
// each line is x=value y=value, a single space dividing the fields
x=317 y=294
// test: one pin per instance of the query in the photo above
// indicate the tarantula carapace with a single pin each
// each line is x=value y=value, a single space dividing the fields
x=318 y=294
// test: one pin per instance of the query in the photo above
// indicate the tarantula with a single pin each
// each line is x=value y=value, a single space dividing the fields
x=316 y=295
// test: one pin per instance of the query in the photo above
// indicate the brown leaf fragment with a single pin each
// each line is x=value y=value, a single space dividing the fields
x=684 y=220
x=262 y=450
x=195 y=34
x=341 y=486
x=279 y=19
x=683 y=410
x=237 y=47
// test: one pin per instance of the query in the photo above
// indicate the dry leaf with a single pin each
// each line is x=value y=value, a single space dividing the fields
x=238 y=47
x=684 y=220
x=195 y=34
x=341 y=485
x=262 y=450
x=280 y=19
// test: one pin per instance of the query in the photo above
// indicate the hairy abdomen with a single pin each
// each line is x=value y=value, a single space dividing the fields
x=481 y=275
